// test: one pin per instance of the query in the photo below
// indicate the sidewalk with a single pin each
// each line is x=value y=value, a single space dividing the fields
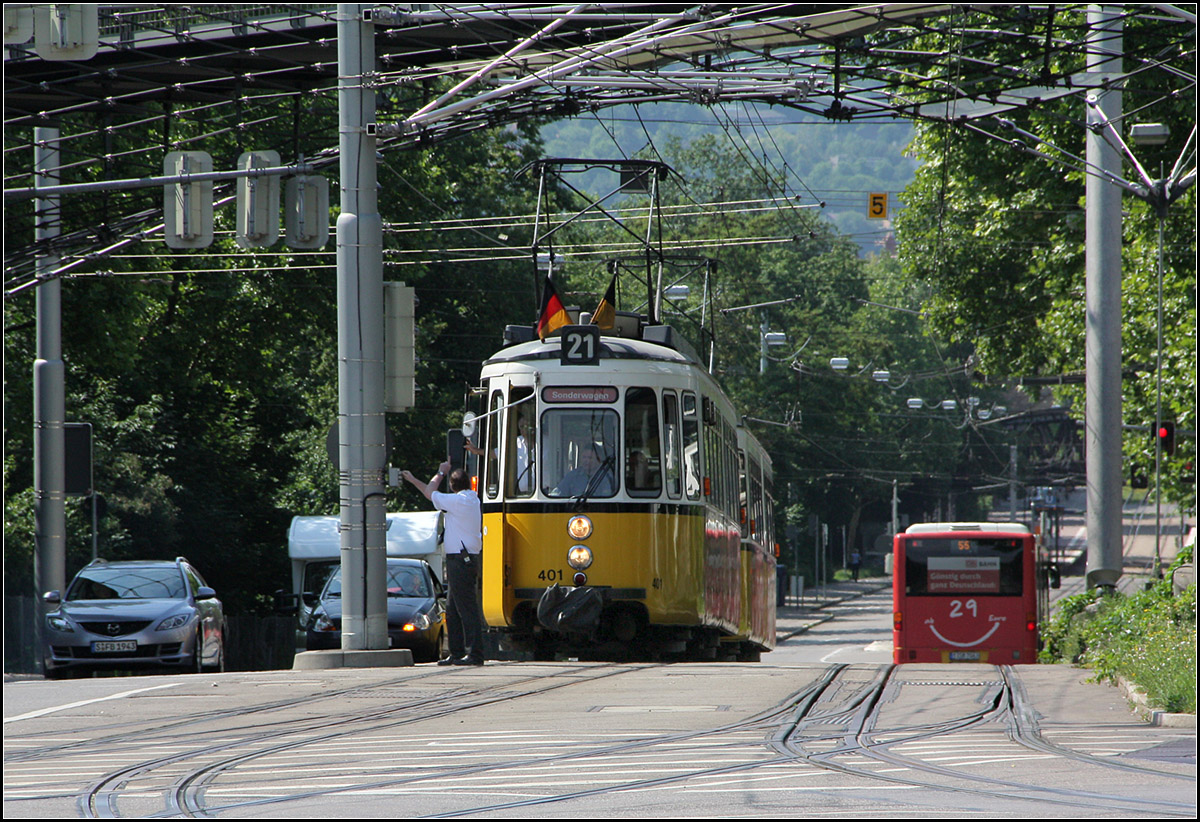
x=1137 y=543
x=797 y=616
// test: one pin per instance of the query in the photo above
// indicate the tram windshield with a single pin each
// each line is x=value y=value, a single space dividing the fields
x=948 y=565
x=579 y=452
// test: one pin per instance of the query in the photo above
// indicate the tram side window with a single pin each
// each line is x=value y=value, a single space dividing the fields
x=491 y=451
x=716 y=462
x=643 y=458
x=752 y=497
x=731 y=474
x=519 y=447
x=756 y=500
x=744 y=495
x=713 y=452
x=768 y=511
x=720 y=464
x=671 y=443
x=947 y=566
x=691 y=446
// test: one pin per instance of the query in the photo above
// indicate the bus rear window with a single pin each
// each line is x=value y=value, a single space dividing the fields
x=958 y=566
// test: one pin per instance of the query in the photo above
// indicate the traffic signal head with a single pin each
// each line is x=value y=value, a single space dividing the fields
x=1166 y=437
x=1138 y=477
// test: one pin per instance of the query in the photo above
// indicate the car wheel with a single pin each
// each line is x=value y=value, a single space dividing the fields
x=196 y=664
x=219 y=667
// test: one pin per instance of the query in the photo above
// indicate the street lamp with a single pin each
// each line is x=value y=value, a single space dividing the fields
x=916 y=404
x=767 y=339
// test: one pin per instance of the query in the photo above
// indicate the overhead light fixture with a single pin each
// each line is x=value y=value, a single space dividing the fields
x=1149 y=134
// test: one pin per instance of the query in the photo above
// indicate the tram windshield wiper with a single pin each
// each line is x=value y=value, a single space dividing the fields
x=607 y=465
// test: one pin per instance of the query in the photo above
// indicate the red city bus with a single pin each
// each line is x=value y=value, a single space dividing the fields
x=968 y=592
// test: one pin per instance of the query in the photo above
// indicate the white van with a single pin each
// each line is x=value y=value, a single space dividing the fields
x=315 y=549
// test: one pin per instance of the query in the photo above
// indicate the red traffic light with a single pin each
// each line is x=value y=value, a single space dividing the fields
x=1166 y=437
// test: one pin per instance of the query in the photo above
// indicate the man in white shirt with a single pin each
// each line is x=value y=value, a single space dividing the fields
x=463 y=541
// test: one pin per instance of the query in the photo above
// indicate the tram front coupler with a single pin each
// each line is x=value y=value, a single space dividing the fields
x=571 y=610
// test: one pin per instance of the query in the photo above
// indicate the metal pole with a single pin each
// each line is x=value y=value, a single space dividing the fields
x=1103 y=336
x=895 y=507
x=49 y=403
x=361 y=449
x=1012 y=483
x=762 y=346
x=1160 y=206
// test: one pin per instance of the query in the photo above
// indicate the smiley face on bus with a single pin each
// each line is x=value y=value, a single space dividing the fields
x=968 y=612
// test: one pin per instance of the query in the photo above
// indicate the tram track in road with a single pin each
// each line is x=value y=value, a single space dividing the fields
x=120 y=732
x=221 y=736
x=853 y=729
x=189 y=790
x=839 y=735
x=756 y=721
x=185 y=793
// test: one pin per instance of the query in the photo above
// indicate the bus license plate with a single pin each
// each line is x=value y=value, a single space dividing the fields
x=964 y=656
x=113 y=646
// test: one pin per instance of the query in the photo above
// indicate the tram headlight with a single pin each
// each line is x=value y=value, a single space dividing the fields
x=579 y=557
x=579 y=527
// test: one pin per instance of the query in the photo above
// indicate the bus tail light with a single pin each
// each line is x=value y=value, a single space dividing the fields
x=1030 y=624
x=897 y=621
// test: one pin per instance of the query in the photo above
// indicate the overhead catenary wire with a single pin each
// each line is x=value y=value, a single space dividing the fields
x=888 y=61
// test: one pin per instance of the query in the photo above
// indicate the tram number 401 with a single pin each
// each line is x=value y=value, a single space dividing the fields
x=580 y=345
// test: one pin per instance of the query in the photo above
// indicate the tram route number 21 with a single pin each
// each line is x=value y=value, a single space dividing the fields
x=580 y=345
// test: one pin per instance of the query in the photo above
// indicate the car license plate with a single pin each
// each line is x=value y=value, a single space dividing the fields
x=113 y=646
x=964 y=656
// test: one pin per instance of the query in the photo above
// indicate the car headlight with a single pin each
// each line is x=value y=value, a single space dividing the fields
x=420 y=622
x=579 y=527
x=579 y=557
x=322 y=622
x=60 y=623
x=177 y=621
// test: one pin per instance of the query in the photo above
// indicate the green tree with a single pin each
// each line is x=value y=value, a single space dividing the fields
x=211 y=376
x=996 y=238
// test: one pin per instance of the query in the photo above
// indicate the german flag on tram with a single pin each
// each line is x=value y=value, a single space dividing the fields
x=605 y=314
x=552 y=315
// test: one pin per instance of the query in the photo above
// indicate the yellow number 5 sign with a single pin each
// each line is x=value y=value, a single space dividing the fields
x=877 y=206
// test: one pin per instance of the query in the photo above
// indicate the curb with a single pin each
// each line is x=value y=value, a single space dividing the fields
x=1141 y=706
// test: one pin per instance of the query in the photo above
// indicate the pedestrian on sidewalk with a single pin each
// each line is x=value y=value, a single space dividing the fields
x=855 y=563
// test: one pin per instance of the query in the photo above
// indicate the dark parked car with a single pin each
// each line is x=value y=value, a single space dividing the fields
x=416 y=611
x=121 y=615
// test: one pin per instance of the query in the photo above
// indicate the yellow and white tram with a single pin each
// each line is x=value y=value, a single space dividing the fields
x=625 y=512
